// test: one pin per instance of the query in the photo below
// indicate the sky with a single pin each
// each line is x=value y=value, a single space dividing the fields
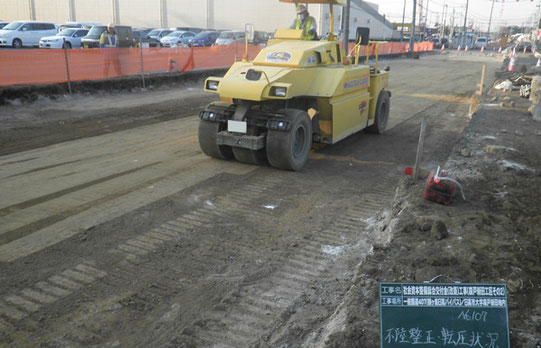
x=506 y=12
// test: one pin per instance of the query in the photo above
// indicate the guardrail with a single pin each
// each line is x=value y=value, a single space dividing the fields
x=48 y=66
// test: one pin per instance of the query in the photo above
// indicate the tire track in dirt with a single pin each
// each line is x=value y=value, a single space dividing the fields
x=255 y=311
x=29 y=203
x=14 y=308
x=17 y=307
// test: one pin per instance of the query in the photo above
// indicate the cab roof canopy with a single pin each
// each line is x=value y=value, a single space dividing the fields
x=333 y=2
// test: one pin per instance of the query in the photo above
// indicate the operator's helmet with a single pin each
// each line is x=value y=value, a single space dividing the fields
x=301 y=9
x=111 y=25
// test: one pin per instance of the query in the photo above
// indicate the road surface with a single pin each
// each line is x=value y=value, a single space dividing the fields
x=117 y=231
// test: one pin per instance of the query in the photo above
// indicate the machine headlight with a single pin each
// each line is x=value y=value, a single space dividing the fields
x=212 y=85
x=279 y=92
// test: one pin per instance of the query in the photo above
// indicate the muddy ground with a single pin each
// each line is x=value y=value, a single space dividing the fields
x=109 y=106
x=117 y=231
x=494 y=236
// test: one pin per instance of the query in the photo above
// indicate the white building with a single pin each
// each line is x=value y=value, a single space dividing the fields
x=266 y=15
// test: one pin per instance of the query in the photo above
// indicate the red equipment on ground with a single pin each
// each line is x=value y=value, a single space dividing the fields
x=440 y=187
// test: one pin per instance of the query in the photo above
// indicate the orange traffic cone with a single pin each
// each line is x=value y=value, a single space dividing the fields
x=466 y=50
x=458 y=49
x=482 y=49
x=513 y=62
x=500 y=49
x=524 y=50
x=443 y=48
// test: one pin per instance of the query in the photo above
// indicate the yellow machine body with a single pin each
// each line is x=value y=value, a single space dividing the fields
x=294 y=93
x=345 y=93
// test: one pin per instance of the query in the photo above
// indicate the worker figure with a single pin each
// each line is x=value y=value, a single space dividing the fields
x=109 y=41
x=305 y=22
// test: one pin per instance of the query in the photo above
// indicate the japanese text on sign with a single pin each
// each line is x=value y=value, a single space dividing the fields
x=465 y=315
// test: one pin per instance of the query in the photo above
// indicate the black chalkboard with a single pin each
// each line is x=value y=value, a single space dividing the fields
x=443 y=315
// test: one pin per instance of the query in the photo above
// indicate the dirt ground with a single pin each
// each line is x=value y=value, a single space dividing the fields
x=491 y=237
x=117 y=231
x=51 y=118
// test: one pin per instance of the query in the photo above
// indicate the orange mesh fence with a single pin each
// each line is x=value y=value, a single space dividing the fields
x=160 y=59
x=393 y=48
x=96 y=64
x=23 y=67
x=40 y=66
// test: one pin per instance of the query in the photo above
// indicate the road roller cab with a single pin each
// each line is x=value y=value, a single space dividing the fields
x=293 y=94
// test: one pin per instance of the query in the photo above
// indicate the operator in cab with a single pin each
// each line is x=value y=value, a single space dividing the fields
x=305 y=22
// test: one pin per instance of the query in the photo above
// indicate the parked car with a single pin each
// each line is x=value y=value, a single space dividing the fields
x=175 y=38
x=92 y=39
x=68 y=38
x=260 y=38
x=158 y=34
x=185 y=41
x=142 y=36
x=230 y=36
x=523 y=45
x=124 y=33
x=439 y=42
x=141 y=33
x=204 y=39
x=21 y=33
x=192 y=29
x=81 y=25
x=481 y=42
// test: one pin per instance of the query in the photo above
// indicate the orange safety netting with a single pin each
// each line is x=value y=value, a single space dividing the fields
x=39 y=66
x=393 y=48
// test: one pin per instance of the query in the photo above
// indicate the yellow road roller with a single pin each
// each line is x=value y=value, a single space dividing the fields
x=294 y=94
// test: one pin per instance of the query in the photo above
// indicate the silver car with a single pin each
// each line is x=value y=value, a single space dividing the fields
x=230 y=36
x=70 y=38
x=175 y=38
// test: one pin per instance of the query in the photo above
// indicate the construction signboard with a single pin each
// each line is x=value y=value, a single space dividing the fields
x=441 y=315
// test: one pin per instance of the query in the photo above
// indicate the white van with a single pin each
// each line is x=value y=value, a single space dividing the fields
x=481 y=42
x=21 y=33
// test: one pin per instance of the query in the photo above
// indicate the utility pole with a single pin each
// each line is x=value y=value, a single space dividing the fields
x=420 y=13
x=465 y=19
x=445 y=9
x=490 y=20
x=412 y=37
x=345 y=20
x=402 y=27
x=452 y=29
x=426 y=18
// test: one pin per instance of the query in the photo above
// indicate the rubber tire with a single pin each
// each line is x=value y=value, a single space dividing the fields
x=17 y=43
x=280 y=145
x=257 y=157
x=207 y=140
x=382 y=114
x=67 y=44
